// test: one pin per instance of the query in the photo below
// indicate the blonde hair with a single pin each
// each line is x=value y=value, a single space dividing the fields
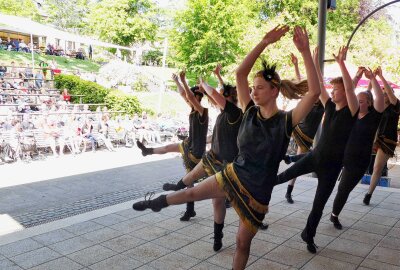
x=289 y=89
x=337 y=80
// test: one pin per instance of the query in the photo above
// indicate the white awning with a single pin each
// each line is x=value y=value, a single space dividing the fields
x=30 y=27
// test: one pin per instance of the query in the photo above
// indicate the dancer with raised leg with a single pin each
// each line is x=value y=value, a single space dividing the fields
x=358 y=150
x=223 y=149
x=386 y=139
x=303 y=133
x=326 y=158
x=262 y=141
x=193 y=147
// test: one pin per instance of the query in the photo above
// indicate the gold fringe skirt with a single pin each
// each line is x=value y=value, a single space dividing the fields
x=388 y=146
x=302 y=140
x=189 y=160
x=250 y=211
x=211 y=164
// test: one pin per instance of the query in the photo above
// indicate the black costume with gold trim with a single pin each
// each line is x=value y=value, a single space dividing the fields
x=386 y=138
x=223 y=146
x=304 y=132
x=249 y=180
x=193 y=147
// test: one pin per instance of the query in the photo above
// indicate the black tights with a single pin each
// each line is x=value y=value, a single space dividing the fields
x=350 y=179
x=327 y=174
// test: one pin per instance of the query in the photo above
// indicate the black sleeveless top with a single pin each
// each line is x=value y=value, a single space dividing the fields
x=390 y=119
x=198 y=128
x=262 y=145
x=225 y=133
x=310 y=124
x=359 y=146
x=335 y=132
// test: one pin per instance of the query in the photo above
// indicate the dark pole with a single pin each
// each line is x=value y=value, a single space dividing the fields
x=322 y=9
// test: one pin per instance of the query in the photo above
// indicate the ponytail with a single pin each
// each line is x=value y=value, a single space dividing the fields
x=292 y=90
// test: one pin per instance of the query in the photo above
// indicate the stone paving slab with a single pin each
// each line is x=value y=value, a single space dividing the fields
x=120 y=238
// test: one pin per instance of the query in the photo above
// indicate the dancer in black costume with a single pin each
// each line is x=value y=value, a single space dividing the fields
x=223 y=149
x=194 y=146
x=262 y=141
x=303 y=133
x=358 y=150
x=386 y=140
x=326 y=158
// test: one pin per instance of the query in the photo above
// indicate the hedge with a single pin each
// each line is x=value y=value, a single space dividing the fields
x=115 y=100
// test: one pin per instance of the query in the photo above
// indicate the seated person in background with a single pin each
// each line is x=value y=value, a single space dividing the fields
x=28 y=71
x=87 y=133
x=39 y=79
x=53 y=135
x=23 y=47
x=104 y=133
x=3 y=70
x=66 y=96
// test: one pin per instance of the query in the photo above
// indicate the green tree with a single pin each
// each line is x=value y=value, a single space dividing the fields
x=210 y=32
x=123 y=22
x=69 y=15
x=23 y=8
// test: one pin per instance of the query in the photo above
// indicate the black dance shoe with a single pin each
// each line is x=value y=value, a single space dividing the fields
x=264 y=226
x=145 y=151
x=174 y=187
x=287 y=159
x=336 y=222
x=155 y=205
x=187 y=215
x=311 y=246
x=289 y=198
x=367 y=198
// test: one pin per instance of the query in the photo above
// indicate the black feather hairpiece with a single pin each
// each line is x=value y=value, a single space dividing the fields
x=269 y=73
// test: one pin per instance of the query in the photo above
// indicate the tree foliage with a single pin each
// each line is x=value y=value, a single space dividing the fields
x=123 y=22
x=211 y=31
x=69 y=15
x=23 y=8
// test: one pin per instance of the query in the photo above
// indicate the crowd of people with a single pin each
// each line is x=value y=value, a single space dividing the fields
x=251 y=137
x=19 y=45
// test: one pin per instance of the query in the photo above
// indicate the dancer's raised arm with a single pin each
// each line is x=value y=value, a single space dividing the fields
x=388 y=89
x=351 y=97
x=358 y=76
x=242 y=72
x=324 y=96
x=295 y=63
x=379 y=100
x=213 y=94
x=190 y=94
x=300 y=39
x=181 y=90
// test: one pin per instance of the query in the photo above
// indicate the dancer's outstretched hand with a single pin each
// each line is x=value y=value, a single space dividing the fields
x=360 y=71
x=275 y=34
x=182 y=75
x=300 y=39
x=341 y=57
x=175 y=77
x=369 y=74
x=217 y=69
x=294 y=59
x=378 y=71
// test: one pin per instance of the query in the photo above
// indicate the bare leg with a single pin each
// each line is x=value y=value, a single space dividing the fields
x=207 y=189
x=195 y=174
x=243 y=243
x=166 y=149
x=380 y=161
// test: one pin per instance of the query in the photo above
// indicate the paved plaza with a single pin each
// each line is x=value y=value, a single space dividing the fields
x=116 y=237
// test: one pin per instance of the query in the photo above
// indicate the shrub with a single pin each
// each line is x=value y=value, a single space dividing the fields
x=115 y=100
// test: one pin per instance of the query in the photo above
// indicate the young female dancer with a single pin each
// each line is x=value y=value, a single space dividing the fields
x=263 y=140
x=304 y=132
x=386 y=140
x=223 y=150
x=326 y=158
x=359 y=145
x=194 y=146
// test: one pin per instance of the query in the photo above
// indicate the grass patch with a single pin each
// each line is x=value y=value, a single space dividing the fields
x=62 y=62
